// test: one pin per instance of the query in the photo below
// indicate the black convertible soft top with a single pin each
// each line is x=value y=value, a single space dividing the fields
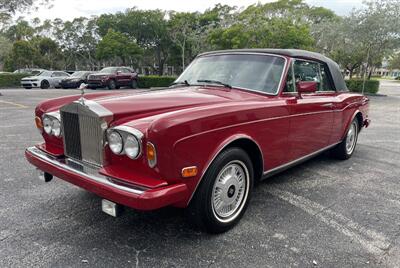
x=337 y=76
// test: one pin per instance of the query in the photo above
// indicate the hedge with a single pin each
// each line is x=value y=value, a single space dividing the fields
x=155 y=81
x=356 y=85
x=11 y=79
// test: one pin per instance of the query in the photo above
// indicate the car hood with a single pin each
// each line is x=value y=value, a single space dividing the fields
x=153 y=102
x=32 y=77
x=71 y=78
x=97 y=76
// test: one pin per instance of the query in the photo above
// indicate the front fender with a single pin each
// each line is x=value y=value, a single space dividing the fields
x=208 y=149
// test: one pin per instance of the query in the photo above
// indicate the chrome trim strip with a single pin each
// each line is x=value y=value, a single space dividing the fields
x=283 y=167
x=55 y=114
x=137 y=133
x=97 y=108
x=93 y=177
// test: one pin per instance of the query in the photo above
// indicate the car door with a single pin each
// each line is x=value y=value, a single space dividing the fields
x=311 y=114
x=122 y=78
x=56 y=78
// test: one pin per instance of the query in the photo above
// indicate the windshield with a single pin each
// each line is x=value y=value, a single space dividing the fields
x=44 y=73
x=78 y=74
x=249 y=71
x=108 y=70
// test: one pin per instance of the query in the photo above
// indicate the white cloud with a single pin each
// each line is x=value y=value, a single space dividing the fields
x=69 y=9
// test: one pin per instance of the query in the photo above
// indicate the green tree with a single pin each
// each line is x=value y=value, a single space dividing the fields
x=6 y=46
x=22 y=55
x=116 y=48
x=48 y=53
x=181 y=29
x=394 y=62
x=20 y=31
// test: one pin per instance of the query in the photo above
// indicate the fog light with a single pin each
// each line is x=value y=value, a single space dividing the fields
x=110 y=208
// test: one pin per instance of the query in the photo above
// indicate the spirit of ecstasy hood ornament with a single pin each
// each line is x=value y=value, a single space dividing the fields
x=82 y=88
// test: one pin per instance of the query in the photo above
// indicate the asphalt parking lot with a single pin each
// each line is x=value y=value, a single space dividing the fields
x=323 y=213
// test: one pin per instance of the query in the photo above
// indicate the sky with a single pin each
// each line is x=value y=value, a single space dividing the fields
x=69 y=9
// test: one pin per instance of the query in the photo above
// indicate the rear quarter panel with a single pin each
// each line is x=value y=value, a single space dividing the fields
x=347 y=106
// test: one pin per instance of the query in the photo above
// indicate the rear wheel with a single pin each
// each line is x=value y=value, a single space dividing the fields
x=345 y=149
x=111 y=85
x=44 y=84
x=224 y=193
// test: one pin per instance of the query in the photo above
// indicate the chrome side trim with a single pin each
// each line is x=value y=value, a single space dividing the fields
x=283 y=167
x=87 y=171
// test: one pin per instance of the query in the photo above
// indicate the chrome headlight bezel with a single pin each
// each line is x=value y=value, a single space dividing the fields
x=115 y=141
x=52 y=124
x=129 y=135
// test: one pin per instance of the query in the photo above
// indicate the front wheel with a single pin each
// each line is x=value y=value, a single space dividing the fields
x=224 y=193
x=44 y=84
x=111 y=85
x=345 y=149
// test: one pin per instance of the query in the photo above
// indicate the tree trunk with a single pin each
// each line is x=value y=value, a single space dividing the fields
x=183 y=55
x=159 y=61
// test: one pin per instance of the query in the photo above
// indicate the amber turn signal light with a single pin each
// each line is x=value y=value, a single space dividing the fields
x=39 y=123
x=151 y=154
x=189 y=172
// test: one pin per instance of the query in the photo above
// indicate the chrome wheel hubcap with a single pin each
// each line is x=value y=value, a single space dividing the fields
x=230 y=191
x=351 y=138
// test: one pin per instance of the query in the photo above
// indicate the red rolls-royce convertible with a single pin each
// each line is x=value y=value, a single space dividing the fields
x=233 y=117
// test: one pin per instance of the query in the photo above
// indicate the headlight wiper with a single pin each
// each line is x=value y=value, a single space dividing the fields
x=181 y=83
x=214 y=82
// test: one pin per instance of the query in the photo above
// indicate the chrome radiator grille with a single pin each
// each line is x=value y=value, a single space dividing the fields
x=83 y=137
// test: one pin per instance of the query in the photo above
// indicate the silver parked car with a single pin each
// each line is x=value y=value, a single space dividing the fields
x=44 y=79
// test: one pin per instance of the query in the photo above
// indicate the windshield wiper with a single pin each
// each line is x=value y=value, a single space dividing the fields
x=214 y=82
x=182 y=83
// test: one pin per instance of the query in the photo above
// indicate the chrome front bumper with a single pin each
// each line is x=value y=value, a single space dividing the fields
x=83 y=170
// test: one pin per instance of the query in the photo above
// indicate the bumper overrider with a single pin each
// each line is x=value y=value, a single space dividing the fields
x=88 y=177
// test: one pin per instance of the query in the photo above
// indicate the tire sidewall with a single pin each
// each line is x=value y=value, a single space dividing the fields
x=227 y=156
x=112 y=85
x=355 y=138
x=44 y=84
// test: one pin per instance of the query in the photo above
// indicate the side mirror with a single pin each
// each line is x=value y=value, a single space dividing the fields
x=306 y=87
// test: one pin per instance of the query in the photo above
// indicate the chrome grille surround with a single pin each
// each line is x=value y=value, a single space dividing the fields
x=84 y=124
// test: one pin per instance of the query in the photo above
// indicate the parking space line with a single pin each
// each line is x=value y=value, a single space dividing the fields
x=370 y=240
x=14 y=104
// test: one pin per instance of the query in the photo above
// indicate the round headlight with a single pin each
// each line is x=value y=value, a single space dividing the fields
x=47 y=125
x=132 y=147
x=115 y=142
x=56 y=127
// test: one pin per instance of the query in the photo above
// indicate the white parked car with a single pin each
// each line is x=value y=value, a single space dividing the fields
x=44 y=79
